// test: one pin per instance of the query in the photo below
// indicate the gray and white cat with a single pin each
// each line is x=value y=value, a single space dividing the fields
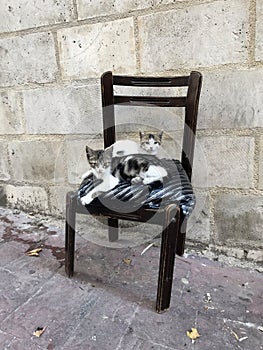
x=149 y=144
x=130 y=168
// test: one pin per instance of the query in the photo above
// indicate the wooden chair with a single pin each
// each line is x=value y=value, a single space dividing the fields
x=171 y=217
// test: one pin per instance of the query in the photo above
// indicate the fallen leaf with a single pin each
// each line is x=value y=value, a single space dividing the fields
x=34 y=252
x=193 y=333
x=127 y=261
x=39 y=331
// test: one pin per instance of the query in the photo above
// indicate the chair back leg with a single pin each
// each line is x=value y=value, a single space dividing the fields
x=180 y=245
x=71 y=203
x=113 y=229
x=167 y=257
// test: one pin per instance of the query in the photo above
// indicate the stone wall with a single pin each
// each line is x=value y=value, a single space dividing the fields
x=52 y=54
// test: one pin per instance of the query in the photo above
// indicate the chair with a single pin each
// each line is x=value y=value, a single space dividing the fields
x=171 y=216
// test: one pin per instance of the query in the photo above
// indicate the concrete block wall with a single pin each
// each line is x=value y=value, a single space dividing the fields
x=52 y=54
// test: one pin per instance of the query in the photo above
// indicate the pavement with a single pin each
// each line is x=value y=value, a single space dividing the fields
x=109 y=303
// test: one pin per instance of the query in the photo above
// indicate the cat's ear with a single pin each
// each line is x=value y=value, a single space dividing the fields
x=141 y=133
x=160 y=135
x=108 y=151
x=89 y=152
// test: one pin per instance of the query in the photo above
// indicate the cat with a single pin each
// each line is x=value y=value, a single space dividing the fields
x=136 y=169
x=133 y=168
x=149 y=144
x=100 y=168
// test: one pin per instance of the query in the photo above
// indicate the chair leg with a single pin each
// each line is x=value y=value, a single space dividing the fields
x=180 y=245
x=113 y=229
x=167 y=257
x=70 y=233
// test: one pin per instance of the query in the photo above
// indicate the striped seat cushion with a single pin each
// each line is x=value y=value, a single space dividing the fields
x=175 y=188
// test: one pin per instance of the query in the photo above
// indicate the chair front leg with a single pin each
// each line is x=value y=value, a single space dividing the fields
x=71 y=203
x=167 y=256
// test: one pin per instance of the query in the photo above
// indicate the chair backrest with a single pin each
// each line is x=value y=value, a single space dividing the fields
x=193 y=83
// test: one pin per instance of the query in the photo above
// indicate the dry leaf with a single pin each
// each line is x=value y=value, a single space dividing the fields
x=193 y=333
x=127 y=261
x=34 y=252
x=39 y=331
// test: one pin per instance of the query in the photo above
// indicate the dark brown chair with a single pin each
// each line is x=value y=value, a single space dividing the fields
x=170 y=217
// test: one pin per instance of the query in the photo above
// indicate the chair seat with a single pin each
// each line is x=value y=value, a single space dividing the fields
x=126 y=197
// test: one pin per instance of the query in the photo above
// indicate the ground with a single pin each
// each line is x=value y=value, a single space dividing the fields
x=109 y=303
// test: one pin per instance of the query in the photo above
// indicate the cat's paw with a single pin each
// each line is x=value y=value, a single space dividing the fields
x=136 y=180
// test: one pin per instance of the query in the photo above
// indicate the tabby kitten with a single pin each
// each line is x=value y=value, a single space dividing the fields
x=100 y=163
x=98 y=160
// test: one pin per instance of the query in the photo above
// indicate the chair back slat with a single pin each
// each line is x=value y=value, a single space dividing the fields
x=151 y=81
x=150 y=101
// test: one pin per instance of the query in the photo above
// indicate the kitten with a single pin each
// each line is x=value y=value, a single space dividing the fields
x=100 y=164
x=149 y=144
x=136 y=169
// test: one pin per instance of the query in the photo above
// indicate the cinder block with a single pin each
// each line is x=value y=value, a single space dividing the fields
x=64 y=110
x=224 y=161
x=198 y=226
x=89 y=50
x=37 y=161
x=22 y=14
x=239 y=219
x=57 y=198
x=259 y=31
x=28 y=59
x=202 y=35
x=4 y=166
x=93 y=8
x=231 y=99
x=11 y=112
x=28 y=198
x=260 y=185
